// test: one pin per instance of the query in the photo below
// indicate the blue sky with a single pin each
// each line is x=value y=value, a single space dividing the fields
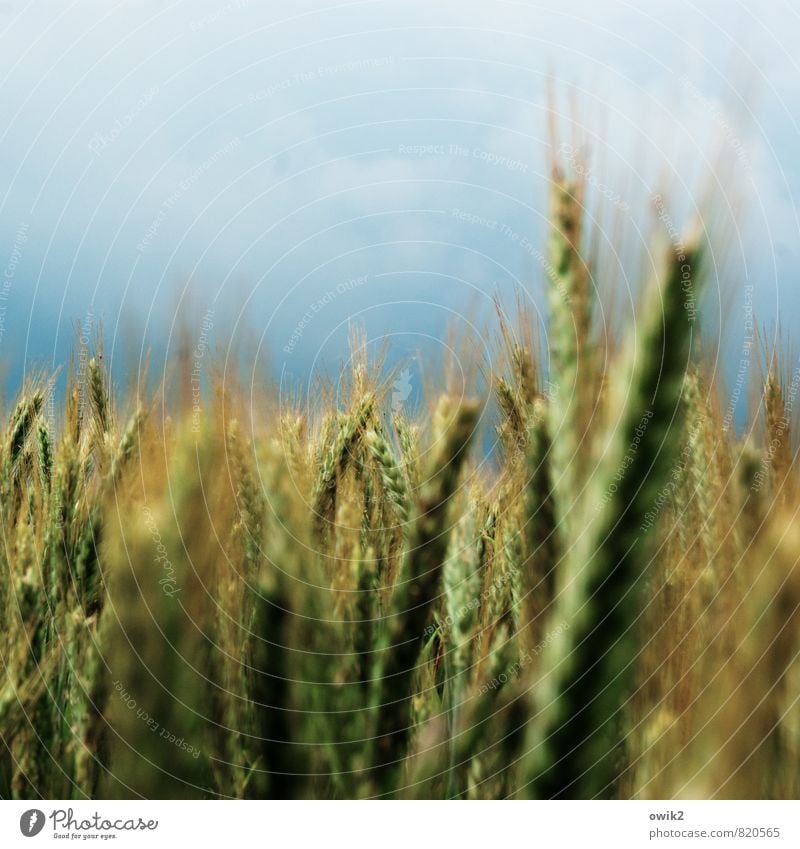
x=285 y=170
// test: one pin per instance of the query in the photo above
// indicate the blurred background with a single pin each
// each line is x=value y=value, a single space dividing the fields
x=262 y=175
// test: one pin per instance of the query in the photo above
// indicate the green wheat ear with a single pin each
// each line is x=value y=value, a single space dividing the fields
x=336 y=458
x=98 y=395
x=128 y=442
x=45 y=455
x=417 y=592
x=394 y=484
x=538 y=573
x=575 y=748
x=462 y=587
x=408 y=437
x=21 y=425
x=570 y=321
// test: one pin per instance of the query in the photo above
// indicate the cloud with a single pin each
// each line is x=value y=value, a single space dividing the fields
x=117 y=116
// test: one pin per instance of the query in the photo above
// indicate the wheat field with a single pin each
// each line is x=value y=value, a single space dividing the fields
x=240 y=597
